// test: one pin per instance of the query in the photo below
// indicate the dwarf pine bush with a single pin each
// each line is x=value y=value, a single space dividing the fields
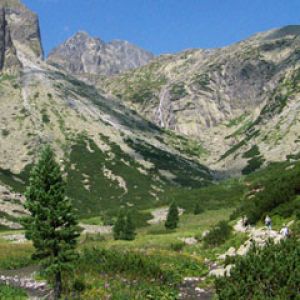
x=268 y=273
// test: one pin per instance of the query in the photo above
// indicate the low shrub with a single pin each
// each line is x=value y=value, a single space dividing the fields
x=266 y=273
x=8 y=292
x=130 y=263
x=177 y=246
x=217 y=235
x=273 y=191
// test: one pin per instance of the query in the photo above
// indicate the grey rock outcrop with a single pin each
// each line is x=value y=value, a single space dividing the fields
x=83 y=54
x=23 y=26
x=8 y=57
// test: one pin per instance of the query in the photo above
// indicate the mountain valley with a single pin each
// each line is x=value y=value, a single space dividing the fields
x=217 y=129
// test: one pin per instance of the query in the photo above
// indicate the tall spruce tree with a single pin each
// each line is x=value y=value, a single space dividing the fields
x=124 y=228
x=118 y=228
x=52 y=225
x=129 y=229
x=172 y=217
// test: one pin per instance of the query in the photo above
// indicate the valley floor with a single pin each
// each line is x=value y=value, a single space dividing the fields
x=183 y=263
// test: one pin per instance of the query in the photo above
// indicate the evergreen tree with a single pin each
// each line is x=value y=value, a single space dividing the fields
x=198 y=209
x=124 y=228
x=119 y=226
x=172 y=217
x=129 y=229
x=52 y=225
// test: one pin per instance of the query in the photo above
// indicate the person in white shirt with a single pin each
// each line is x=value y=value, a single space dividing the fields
x=285 y=232
x=268 y=222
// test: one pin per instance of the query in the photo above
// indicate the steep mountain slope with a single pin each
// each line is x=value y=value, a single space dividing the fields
x=111 y=156
x=85 y=55
x=241 y=102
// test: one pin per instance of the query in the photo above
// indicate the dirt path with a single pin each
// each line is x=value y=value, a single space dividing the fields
x=160 y=215
x=189 y=290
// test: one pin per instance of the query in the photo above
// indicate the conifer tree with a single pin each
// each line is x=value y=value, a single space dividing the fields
x=51 y=225
x=124 y=228
x=129 y=229
x=119 y=226
x=172 y=217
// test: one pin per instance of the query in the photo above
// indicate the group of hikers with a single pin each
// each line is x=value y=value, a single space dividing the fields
x=285 y=231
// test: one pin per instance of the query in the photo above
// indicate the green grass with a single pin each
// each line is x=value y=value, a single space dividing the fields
x=150 y=267
x=11 y=293
x=13 y=256
x=156 y=237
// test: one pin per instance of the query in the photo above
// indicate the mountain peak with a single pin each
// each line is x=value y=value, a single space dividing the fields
x=81 y=34
x=83 y=54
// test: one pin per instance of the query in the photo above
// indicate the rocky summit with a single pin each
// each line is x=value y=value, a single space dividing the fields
x=86 y=55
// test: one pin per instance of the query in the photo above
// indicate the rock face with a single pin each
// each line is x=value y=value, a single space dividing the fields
x=8 y=57
x=229 y=99
x=83 y=54
x=24 y=26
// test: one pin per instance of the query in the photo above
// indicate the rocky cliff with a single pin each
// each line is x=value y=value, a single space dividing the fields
x=23 y=26
x=231 y=99
x=85 y=55
x=8 y=55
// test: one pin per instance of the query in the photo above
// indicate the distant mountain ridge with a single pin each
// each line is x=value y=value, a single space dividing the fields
x=83 y=54
x=241 y=102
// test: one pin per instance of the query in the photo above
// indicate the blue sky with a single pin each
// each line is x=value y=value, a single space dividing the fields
x=163 y=26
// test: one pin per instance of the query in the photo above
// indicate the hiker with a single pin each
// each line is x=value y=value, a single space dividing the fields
x=268 y=222
x=245 y=222
x=285 y=231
